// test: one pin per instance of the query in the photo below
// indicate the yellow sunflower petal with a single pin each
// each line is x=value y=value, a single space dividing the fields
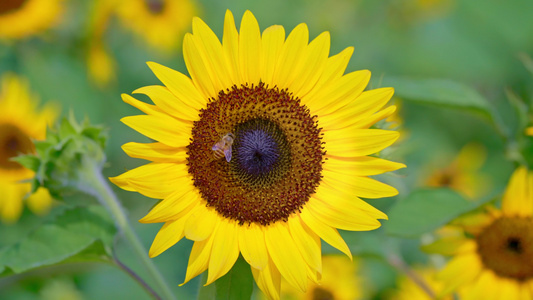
x=289 y=60
x=212 y=55
x=156 y=152
x=358 y=142
x=250 y=49
x=230 y=46
x=200 y=224
x=144 y=107
x=328 y=234
x=361 y=166
x=11 y=203
x=338 y=94
x=484 y=287
x=307 y=242
x=360 y=186
x=252 y=246
x=168 y=235
x=272 y=43
x=518 y=197
x=371 y=120
x=168 y=102
x=173 y=207
x=149 y=172
x=226 y=250
x=287 y=259
x=40 y=201
x=180 y=85
x=529 y=131
x=363 y=106
x=166 y=130
x=204 y=79
x=334 y=69
x=313 y=61
x=461 y=270
x=268 y=280
x=342 y=219
x=199 y=258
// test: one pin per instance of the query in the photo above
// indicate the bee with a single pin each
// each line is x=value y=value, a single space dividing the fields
x=222 y=148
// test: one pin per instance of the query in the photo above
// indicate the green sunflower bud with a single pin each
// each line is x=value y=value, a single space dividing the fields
x=68 y=155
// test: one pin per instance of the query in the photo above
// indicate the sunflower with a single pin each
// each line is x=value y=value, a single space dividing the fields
x=339 y=282
x=19 y=124
x=408 y=289
x=22 y=18
x=262 y=152
x=529 y=131
x=159 y=22
x=493 y=259
x=463 y=175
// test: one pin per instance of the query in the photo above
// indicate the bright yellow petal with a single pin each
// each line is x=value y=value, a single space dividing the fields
x=230 y=45
x=201 y=223
x=212 y=54
x=518 y=197
x=373 y=119
x=250 y=49
x=287 y=259
x=225 y=249
x=169 y=103
x=268 y=280
x=11 y=201
x=272 y=43
x=363 y=106
x=203 y=78
x=358 y=142
x=328 y=234
x=156 y=152
x=484 y=287
x=307 y=242
x=252 y=246
x=142 y=106
x=361 y=166
x=168 y=235
x=173 y=207
x=289 y=61
x=341 y=219
x=166 y=130
x=180 y=85
x=360 y=186
x=199 y=258
x=149 y=172
x=333 y=70
x=312 y=61
x=337 y=95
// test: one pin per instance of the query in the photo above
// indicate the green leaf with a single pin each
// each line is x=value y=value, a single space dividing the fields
x=425 y=210
x=79 y=234
x=441 y=92
x=28 y=161
x=237 y=284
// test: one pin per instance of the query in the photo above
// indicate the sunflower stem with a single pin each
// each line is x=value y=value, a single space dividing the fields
x=98 y=187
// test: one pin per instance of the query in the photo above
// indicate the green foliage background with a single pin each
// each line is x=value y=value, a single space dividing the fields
x=455 y=65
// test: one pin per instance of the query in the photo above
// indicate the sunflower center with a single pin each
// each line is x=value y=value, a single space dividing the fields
x=7 y=6
x=155 y=6
x=276 y=154
x=322 y=294
x=506 y=247
x=12 y=143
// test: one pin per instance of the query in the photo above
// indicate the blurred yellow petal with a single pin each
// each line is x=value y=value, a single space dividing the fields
x=518 y=197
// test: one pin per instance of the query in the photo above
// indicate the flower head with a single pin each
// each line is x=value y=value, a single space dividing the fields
x=262 y=152
x=494 y=258
x=20 y=123
x=22 y=18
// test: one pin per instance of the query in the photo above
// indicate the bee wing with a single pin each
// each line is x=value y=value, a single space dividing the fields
x=227 y=153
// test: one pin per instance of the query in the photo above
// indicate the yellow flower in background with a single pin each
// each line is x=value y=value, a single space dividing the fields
x=463 y=175
x=529 y=131
x=20 y=122
x=263 y=152
x=101 y=66
x=339 y=282
x=407 y=289
x=159 y=22
x=493 y=261
x=22 y=18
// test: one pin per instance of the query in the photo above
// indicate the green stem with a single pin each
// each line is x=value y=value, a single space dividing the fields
x=97 y=186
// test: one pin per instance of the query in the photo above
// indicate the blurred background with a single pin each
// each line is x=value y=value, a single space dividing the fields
x=84 y=54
